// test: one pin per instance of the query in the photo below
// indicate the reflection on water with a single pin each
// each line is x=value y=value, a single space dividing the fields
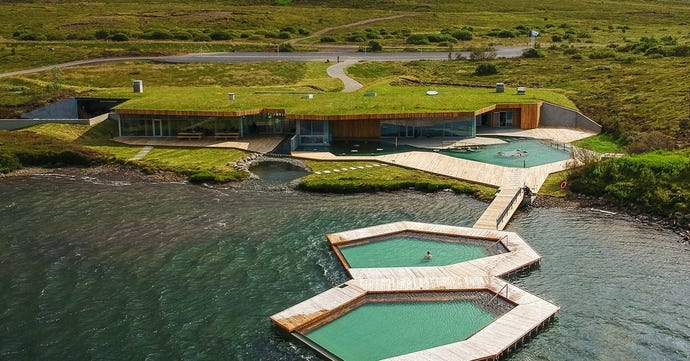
x=277 y=173
x=174 y=271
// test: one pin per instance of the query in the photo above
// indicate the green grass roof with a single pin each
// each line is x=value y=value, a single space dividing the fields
x=388 y=99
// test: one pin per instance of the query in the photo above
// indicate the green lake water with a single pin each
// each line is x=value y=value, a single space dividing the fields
x=410 y=252
x=99 y=271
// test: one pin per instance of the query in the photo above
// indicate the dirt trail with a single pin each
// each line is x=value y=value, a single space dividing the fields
x=358 y=23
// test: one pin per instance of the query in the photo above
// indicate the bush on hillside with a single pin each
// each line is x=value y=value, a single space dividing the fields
x=500 y=33
x=486 y=69
x=119 y=37
x=532 y=53
x=28 y=35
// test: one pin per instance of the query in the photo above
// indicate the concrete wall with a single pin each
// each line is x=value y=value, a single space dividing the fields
x=556 y=116
x=66 y=109
x=12 y=124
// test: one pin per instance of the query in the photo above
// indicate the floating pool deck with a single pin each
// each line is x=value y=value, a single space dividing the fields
x=529 y=314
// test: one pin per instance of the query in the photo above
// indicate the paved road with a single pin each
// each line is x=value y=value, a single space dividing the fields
x=341 y=54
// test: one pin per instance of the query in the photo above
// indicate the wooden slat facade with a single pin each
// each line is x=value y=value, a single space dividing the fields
x=359 y=128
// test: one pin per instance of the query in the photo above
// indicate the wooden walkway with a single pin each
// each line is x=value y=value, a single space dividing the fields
x=529 y=314
x=509 y=180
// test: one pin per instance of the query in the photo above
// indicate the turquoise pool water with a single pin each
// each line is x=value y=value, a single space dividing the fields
x=376 y=331
x=515 y=153
x=410 y=252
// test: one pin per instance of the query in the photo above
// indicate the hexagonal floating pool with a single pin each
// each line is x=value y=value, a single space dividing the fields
x=380 y=326
x=399 y=307
x=409 y=249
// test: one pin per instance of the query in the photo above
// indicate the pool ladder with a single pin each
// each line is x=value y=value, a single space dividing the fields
x=499 y=292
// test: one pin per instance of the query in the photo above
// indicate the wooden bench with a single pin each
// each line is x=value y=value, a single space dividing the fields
x=189 y=135
x=227 y=135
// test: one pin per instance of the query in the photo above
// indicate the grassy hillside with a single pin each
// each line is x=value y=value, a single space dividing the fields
x=623 y=63
x=69 y=30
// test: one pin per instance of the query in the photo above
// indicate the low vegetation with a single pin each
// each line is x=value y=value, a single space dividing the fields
x=656 y=182
x=199 y=164
x=387 y=178
x=29 y=149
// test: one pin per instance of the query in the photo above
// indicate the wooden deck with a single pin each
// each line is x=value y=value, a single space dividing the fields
x=508 y=180
x=528 y=315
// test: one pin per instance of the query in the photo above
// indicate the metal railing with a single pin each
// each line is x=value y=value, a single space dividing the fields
x=505 y=211
x=498 y=293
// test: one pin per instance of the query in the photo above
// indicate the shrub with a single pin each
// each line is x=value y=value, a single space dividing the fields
x=220 y=35
x=157 y=34
x=655 y=51
x=681 y=50
x=288 y=29
x=532 y=53
x=286 y=47
x=462 y=35
x=486 y=69
x=201 y=37
x=356 y=37
x=650 y=141
x=556 y=38
x=438 y=38
x=417 y=39
x=28 y=35
x=182 y=35
x=375 y=46
x=119 y=37
x=501 y=33
x=284 y=35
x=9 y=162
x=327 y=39
x=101 y=34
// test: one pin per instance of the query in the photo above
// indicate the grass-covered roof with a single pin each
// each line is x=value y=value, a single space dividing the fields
x=388 y=99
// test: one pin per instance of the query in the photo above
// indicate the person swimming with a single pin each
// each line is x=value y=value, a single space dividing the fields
x=427 y=255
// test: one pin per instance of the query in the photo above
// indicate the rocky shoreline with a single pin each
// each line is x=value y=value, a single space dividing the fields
x=107 y=173
x=680 y=226
x=129 y=174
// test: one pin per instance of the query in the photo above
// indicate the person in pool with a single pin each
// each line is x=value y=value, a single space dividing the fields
x=428 y=255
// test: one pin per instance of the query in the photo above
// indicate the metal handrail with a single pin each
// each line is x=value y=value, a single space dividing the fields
x=498 y=293
x=500 y=217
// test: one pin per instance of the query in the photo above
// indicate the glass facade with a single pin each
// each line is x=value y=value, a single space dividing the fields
x=132 y=125
x=410 y=128
x=314 y=132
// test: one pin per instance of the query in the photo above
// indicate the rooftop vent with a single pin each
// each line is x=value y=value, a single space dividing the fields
x=138 y=86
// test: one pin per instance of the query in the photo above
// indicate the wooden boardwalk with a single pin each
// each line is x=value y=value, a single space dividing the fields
x=529 y=314
x=509 y=180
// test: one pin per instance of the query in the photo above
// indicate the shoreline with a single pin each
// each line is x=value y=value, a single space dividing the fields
x=129 y=174
x=111 y=172
x=602 y=205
